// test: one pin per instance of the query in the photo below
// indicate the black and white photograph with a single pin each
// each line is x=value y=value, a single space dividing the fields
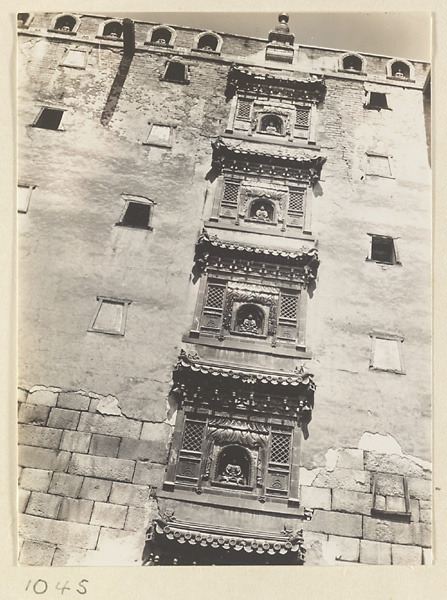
x=224 y=231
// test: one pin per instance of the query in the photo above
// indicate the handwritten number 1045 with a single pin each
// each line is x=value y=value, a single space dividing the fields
x=40 y=586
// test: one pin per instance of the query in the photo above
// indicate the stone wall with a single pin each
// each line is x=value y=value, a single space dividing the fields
x=342 y=529
x=86 y=475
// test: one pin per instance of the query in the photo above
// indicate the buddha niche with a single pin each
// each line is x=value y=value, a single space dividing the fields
x=232 y=474
x=233 y=466
x=249 y=325
x=262 y=214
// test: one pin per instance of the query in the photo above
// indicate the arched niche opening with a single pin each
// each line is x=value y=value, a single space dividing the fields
x=65 y=24
x=113 y=29
x=262 y=210
x=23 y=19
x=400 y=69
x=208 y=42
x=272 y=124
x=352 y=63
x=250 y=319
x=233 y=465
x=161 y=36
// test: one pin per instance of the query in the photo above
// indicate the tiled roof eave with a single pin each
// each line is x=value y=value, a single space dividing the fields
x=248 y=542
x=300 y=255
x=299 y=159
x=246 y=375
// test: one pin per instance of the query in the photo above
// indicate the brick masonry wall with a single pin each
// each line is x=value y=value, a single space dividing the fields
x=342 y=529
x=86 y=475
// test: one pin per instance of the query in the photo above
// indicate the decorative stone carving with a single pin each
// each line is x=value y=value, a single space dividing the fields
x=231 y=431
x=240 y=292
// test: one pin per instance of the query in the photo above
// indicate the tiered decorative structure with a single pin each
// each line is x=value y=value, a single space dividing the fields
x=235 y=453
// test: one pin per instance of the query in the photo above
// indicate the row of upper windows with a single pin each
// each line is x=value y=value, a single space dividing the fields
x=249 y=319
x=163 y=35
x=138 y=213
x=110 y=317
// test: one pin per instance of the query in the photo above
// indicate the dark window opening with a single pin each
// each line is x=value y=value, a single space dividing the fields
x=49 y=118
x=22 y=18
x=401 y=70
x=208 y=42
x=272 y=124
x=161 y=37
x=377 y=100
x=382 y=250
x=137 y=215
x=176 y=71
x=114 y=30
x=352 y=63
x=65 y=24
x=233 y=466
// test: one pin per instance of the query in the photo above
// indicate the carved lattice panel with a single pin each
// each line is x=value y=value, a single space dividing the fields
x=192 y=438
x=230 y=195
x=243 y=110
x=296 y=202
x=288 y=308
x=280 y=448
x=302 y=118
x=215 y=297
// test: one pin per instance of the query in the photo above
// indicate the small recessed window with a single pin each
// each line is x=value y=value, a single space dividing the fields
x=23 y=197
x=378 y=165
x=386 y=354
x=391 y=497
x=176 y=72
x=376 y=100
x=24 y=19
x=383 y=250
x=110 y=316
x=159 y=135
x=137 y=212
x=49 y=118
x=75 y=58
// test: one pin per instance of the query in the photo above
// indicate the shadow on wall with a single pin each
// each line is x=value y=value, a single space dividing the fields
x=115 y=90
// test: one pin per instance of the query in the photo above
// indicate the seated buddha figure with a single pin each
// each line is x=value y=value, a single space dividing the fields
x=249 y=325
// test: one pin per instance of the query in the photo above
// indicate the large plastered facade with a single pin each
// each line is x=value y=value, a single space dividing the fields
x=96 y=412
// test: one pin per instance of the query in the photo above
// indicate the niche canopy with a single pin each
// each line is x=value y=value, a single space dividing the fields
x=181 y=542
x=239 y=155
x=202 y=383
x=311 y=88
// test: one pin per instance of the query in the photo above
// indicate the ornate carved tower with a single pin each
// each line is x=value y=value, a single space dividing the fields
x=244 y=393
